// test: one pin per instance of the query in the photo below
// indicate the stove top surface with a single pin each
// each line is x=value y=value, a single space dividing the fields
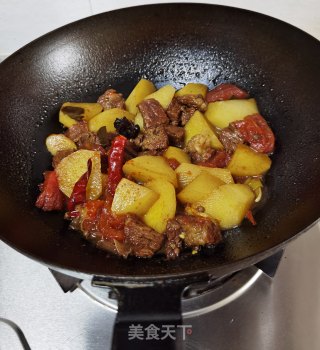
x=248 y=311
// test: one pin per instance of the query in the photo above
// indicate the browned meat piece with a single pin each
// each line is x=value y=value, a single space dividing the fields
x=153 y=114
x=196 y=101
x=182 y=108
x=80 y=134
x=131 y=150
x=175 y=134
x=155 y=139
x=198 y=230
x=230 y=138
x=175 y=111
x=77 y=130
x=57 y=158
x=173 y=243
x=143 y=240
x=199 y=148
x=111 y=99
x=105 y=137
x=218 y=159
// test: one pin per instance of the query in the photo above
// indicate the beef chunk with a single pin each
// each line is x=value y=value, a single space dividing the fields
x=57 y=158
x=199 y=148
x=77 y=130
x=175 y=134
x=152 y=113
x=85 y=139
x=230 y=138
x=143 y=240
x=218 y=159
x=173 y=243
x=111 y=99
x=130 y=150
x=182 y=108
x=198 y=230
x=105 y=137
x=155 y=139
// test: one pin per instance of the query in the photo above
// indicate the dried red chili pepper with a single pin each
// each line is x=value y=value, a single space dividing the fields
x=78 y=194
x=256 y=132
x=225 y=92
x=50 y=198
x=250 y=217
x=116 y=157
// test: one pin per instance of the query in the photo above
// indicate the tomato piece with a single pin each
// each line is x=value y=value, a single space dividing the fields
x=111 y=225
x=256 y=132
x=225 y=92
x=50 y=198
x=92 y=210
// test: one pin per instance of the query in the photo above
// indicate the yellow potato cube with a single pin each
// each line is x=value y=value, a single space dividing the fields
x=72 y=112
x=188 y=172
x=164 y=95
x=228 y=204
x=132 y=198
x=59 y=142
x=200 y=188
x=247 y=162
x=71 y=168
x=177 y=154
x=147 y=168
x=222 y=113
x=107 y=119
x=193 y=89
x=164 y=208
x=140 y=91
x=198 y=125
x=94 y=185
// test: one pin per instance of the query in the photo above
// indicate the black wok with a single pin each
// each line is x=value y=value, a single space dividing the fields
x=177 y=43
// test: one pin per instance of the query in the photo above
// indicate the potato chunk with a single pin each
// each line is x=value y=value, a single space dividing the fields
x=198 y=125
x=71 y=168
x=193 y=89
x=164 y=95
x=140 y=91
x=147 y=168
x=200 y=188
x=247 y=162
x=94 y=185
x=138 y=120
x=222 y=113
x=178 y=154
x=72 y=112
x=188 y=172
x=59 y=142
x=107 y=119
x=131 y=198
x=164 y=208
x=228 y=204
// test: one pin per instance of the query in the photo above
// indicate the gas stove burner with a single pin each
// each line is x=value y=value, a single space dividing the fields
x=197 y=299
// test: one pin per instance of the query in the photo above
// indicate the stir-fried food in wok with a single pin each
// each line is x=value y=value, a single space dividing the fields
x=161 y=171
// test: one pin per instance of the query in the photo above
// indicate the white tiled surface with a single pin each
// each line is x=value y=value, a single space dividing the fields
x=21 y=21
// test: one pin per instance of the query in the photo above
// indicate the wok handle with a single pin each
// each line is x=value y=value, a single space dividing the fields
x=145 y=317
